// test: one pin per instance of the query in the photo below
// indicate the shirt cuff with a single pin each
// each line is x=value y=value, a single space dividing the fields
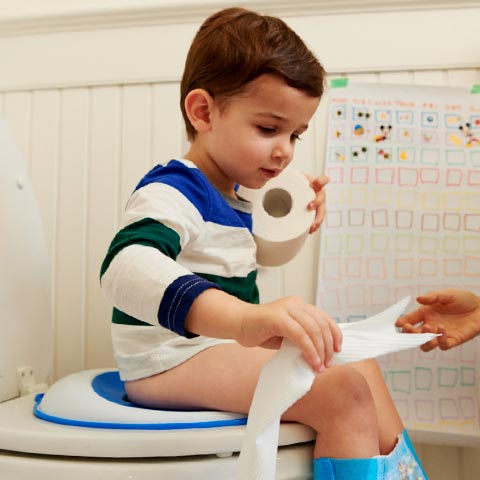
x=178 y=299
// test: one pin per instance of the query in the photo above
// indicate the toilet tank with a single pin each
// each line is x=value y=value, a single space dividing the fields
x=26 y=337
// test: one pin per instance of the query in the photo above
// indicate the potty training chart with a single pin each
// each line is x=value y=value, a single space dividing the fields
x=403 y=218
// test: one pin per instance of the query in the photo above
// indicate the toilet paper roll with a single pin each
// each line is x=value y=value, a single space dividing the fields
x=281 y=219
x=286 y=377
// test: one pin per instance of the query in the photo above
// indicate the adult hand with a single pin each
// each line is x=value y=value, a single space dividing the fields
x=453 y=313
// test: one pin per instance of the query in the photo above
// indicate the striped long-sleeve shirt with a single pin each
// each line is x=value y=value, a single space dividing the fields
x=180 y=237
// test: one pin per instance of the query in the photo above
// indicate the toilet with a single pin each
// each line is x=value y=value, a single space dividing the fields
x=53 y=432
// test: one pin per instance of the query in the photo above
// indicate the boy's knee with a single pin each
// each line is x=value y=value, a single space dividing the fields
x=352 y=407
x=344 y=398
x=352 y=392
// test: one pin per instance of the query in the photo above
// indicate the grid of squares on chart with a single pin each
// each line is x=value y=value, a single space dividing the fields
x=403 y=218
x=403 y=199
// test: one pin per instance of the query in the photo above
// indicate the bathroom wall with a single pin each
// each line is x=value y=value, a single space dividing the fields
x=91 y=95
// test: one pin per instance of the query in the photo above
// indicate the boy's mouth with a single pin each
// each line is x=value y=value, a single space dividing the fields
x=270 y=172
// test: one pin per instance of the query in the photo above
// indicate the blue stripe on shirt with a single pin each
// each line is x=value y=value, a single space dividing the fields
x=178 y=299
x=193 y=184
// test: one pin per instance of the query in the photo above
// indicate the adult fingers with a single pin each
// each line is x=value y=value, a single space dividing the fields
x=426 y=347
x=434 y=297
x=445 y=342
x=410 y=319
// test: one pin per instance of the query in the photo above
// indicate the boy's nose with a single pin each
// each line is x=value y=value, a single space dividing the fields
x=282 y=151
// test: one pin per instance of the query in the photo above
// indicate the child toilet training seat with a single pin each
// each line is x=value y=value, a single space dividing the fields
x=97 y=399
x=74 y=399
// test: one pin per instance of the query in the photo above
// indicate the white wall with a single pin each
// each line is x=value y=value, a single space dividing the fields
x=92 y=100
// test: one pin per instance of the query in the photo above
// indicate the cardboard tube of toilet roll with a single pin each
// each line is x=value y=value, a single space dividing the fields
x=281 y=219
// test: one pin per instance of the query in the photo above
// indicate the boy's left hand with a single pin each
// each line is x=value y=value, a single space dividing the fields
x=319 y=203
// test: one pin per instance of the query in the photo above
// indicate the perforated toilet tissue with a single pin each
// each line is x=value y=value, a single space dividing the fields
x=287 y=377
x=281 y=219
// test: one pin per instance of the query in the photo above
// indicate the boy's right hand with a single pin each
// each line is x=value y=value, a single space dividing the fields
x=313 y=331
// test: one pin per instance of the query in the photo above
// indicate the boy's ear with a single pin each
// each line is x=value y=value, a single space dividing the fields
x=198 y=106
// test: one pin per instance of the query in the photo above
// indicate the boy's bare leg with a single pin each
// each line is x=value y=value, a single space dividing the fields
x=388 y=420
x=339 y=407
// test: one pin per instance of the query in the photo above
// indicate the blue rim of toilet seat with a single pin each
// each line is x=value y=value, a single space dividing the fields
x=109 y=386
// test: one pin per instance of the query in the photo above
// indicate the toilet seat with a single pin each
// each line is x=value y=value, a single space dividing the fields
x=21 y=431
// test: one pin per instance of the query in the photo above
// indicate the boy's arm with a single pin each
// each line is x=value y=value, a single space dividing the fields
x=217 y=314
x=151 y=287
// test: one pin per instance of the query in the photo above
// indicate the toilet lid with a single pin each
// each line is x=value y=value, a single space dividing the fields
x=22 y=431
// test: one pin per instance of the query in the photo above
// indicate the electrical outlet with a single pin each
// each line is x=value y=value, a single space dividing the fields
x=26 y=381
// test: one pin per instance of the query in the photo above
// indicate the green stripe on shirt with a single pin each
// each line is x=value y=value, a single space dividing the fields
x=146 y=232
x=244 y=288
x=121 y=318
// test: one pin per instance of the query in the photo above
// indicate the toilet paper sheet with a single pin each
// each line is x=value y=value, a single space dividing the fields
x=287 y=377
x=281 y=219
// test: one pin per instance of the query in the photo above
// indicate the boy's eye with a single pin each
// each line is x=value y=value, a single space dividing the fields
x=267 y=130
x=273 y=130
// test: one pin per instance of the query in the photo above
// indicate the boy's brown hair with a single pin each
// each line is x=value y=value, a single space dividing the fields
x=234 y=46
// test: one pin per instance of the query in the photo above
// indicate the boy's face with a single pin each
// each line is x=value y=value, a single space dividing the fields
x=252 y=138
